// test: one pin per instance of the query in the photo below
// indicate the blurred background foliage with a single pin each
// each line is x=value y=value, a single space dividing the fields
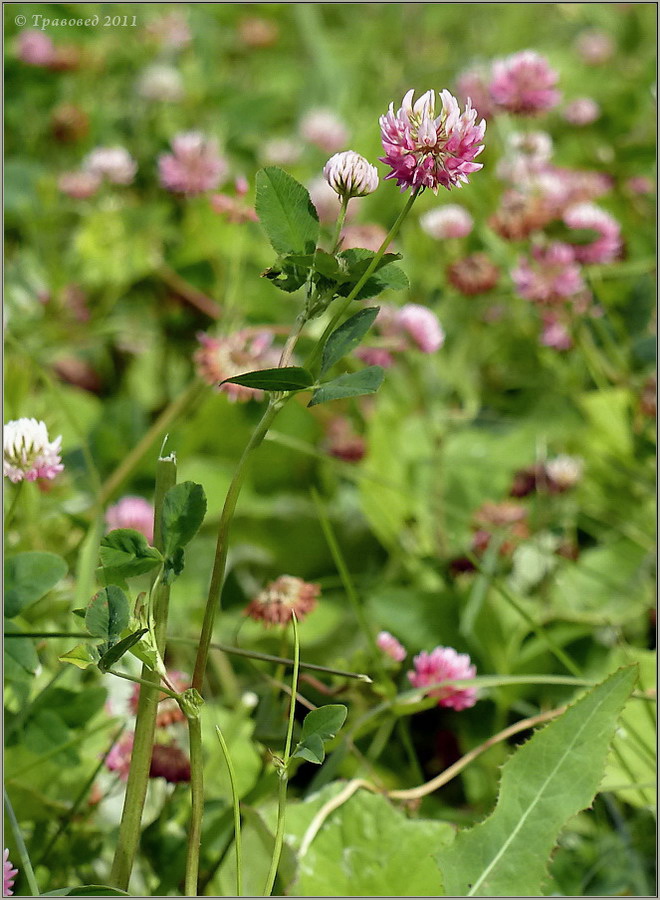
x=101 y=330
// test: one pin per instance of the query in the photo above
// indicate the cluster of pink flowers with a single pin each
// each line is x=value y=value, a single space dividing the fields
x=390 y=646
x=280 y=599
x=234 y=209
x=582 y=111
x=551 y=275
x=132 y=512
x=218 y=358
x=9 y=873
x=524 y=83
x=28 y=452
x=194 y=166
x=428 y=151
x=445 y=664
x=397 y=327
x=607 y=245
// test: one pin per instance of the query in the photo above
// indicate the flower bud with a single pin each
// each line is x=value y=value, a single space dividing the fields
x=350 y=175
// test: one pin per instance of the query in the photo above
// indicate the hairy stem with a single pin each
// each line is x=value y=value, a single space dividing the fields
x=145 y=723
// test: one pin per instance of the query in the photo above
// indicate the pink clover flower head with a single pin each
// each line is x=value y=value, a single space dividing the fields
x=524 y=83
x=8 y=875
x=640 y=184
x=194 y=166
x=582 y=111
x=390 y=646
x=28 y=453
x=555 y=334
x=132 y=512
x=425 y=151
x=277 y=602
x=161 y=83
x=595 y=47
x=441 y=664
x=114 y=163
x=608 y=245
x=343 y=442
x=35 y=48
x=550 y=276
x=324 y=129
x=375 y=356
x=473 y=85
x=350 y=175
x=119 y=758
x=79 y=185
x=422 y=325
x=450 y=221
x=234 y=354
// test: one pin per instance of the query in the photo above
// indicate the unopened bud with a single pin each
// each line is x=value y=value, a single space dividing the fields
x=350 y=175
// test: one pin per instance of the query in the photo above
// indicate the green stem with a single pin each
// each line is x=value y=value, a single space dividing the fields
x=394 y=230
x=341 y=218
x=26 y=865
x=13 y=505
x=281 y=798
x=145 y=723
x=164 y=420
x=197 y=813
x=148 y=684
x=237 y=812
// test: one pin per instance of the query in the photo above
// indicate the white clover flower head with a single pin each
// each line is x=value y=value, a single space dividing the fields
x=350 y=175
x=28 y=453
x=114 y=163
x=564 y=470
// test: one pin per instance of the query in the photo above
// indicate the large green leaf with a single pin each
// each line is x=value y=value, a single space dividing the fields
x=367 y=848
x=354 y=384
x=287 y=378
x=387 y=274
x=319 y=726
x=108 y=614
x=28 y=576
x=546 y=782
x=20 y=656
x=87 y=890
x=184 y=508
x=347 y=336
x=286 y=212
x=126 y=553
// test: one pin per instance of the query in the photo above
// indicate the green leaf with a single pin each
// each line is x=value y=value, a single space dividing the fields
x=184 y=508
x=286 y=212
x=546 y=782
x=174 y=565
x=366 y=848
x=319 y=726
x=288 y=378
x=28 y=576
x=19 y=652
x=88 y=890
x=116 y=652
x=108 y=614
x=347 y=337
x=387 y=275
x=81 y=656
x=366 y=381
x=127 y=553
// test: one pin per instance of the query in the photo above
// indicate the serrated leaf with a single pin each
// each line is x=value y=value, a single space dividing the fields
x=347 y=336
x=546 y=782
x=288 y=378
x=28 y=576
x=108 y=614
x=184 y=508
x=286 y=212
x=126 y=553
x=319 y=726
x=81 y=656
x=354 y=384
x=115 y=653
